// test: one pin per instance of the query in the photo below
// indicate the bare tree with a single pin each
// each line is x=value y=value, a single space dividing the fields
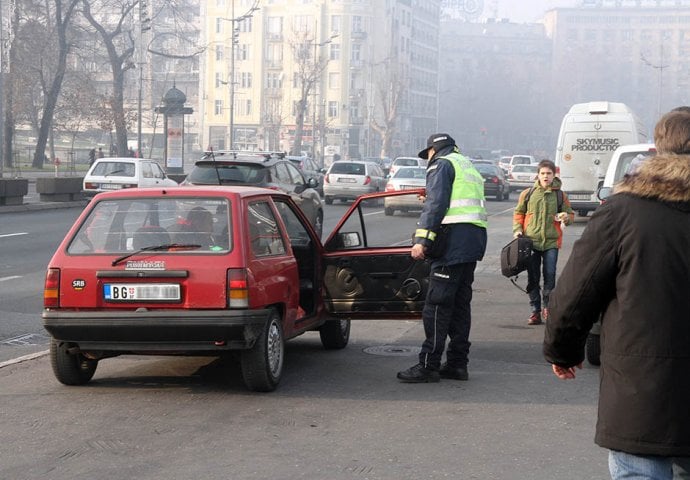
x=52 y=84
x=272 y=119
x=309 y=69
x=119 y=44
x=390 y=87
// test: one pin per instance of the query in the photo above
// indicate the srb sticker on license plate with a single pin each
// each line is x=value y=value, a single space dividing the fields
x=134 y=292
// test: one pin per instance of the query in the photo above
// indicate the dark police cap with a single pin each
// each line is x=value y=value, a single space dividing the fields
x=437 y=141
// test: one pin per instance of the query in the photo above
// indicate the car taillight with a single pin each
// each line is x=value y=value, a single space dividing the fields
x=90 y=185
x=390 y=187
x=51 y=289
x=326 y=179
x=367 y=180
x=238 y=293
x=494 y=179
x=129 y=185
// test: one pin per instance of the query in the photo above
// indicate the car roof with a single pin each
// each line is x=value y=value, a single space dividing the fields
x=193 y=191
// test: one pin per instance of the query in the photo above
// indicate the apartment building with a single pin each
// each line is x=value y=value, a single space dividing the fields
x=345 y=77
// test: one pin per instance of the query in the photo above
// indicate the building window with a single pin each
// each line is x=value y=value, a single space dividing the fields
x=332 y=109
x=220 y=52
x=248 y=107
x=334 y=51
x=246 y=80
x=274 y=26
x=219 y=79
x=336 y=23
x=356 y=52
x=218 y=107
x=356 y=23
x=245 y=25
x=303 y=23
x=219 y=25
x=274 y=80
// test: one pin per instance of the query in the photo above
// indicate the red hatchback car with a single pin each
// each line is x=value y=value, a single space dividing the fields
x=211 y=270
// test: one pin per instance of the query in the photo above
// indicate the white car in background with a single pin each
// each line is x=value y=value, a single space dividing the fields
x=523 y=176
x=116 y=173
x=406 y=162
x=405 y=178
x=624 y=161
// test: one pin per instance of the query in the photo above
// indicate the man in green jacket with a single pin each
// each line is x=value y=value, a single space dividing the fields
x=541 y=214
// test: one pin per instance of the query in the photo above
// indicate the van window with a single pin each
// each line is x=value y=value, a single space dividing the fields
x=629 y=163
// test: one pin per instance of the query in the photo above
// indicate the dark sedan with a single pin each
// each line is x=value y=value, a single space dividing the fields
x=495 y=182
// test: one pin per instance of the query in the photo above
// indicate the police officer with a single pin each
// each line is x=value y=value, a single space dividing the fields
x=454 y=216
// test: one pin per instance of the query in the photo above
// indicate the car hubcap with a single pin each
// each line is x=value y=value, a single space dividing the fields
x=274 y=349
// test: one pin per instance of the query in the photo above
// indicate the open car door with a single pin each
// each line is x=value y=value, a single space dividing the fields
x=368 y=270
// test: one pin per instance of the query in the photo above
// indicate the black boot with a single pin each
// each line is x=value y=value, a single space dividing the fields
x=419 y=374
x=453 y=373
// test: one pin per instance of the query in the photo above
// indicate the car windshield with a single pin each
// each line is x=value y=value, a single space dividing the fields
x=630 y=162
x=209 y=173
x=407 y=162
x=348 y=168
x=126 y=225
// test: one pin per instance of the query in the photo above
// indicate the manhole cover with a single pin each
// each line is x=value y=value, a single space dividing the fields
x=393 y=350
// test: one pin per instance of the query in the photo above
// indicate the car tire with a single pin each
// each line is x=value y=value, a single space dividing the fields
x=262 y=365
x=593 y=349
x=582 y=213
x=328 y=200
x=506 y=195
x=70 y=368
x=388 y=211
x=335 y=334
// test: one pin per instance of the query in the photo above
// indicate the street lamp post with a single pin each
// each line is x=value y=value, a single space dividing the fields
x=660 y=68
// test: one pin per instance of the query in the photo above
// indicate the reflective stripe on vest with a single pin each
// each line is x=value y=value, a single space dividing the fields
x=424 y=233
x=467 y=194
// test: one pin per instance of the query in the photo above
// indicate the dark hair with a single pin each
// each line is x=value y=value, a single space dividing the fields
x=672 y=132
x=682 y=108
x=547 y=164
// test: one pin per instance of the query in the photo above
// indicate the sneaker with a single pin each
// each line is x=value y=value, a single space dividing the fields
x=419 y=374
x=534 y=319
x=453 y=373
x=545 y=314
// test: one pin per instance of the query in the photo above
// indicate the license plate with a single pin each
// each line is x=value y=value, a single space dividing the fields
x=110 y=186
x=346 y=180
x=409 y=187
x=579 y=196
x=135 y=292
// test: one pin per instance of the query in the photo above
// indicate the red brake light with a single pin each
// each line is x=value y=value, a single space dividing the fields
x=326 y=179
x=367 y=180
x=390 y=188
x=238 y=293
x=494 y=179
x=51 y=289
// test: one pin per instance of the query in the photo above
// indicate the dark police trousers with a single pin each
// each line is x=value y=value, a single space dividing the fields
x=447 y=313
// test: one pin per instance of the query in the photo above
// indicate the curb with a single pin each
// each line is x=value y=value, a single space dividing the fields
x=28 y=207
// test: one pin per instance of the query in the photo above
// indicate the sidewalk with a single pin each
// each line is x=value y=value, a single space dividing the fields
x=32 y=200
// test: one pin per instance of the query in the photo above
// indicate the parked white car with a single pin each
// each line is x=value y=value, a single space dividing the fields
x=517 y=160
x=116 y=173
x=624 y=160
x=522 y=176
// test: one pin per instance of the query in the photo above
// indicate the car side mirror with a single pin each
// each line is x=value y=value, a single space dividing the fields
x=604 y=192
x=348 y=240
x=312 y=182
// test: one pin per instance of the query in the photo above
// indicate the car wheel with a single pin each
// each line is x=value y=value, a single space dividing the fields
x=388 y=211
x=335 y=334
x=593 y=349
x=582 y=213
x=318 y=223
x=70 y=368
x=262 y=365
x=328 y=200
x=506 y=195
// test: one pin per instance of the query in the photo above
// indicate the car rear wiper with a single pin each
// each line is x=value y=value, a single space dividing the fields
x=155 y=248
x=113 y=172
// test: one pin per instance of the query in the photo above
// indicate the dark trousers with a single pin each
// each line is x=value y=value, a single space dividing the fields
x=447 y=313
x=547 y=260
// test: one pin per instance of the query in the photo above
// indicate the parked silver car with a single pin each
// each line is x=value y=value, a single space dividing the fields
x=405 y=178
x=347 y=180
x=523 y=176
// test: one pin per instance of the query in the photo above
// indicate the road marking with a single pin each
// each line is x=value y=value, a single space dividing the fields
x=31 y=356
x=13 y=234
x=13 y=277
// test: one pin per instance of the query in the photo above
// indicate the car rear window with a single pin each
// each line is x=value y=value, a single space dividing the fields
x=525 y=168
x=236 y=174
x=348 y=168
x=408 y=172
x=116 y=169
x=630 y=162
x=407 y=162
x=485 y=168
x=123 y=226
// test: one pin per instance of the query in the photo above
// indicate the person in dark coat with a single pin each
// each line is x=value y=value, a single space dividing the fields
x=632 y=267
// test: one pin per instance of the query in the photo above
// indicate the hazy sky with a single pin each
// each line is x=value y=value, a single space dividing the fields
x=520 y=11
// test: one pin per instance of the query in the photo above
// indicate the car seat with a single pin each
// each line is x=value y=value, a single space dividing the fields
x=149 y=236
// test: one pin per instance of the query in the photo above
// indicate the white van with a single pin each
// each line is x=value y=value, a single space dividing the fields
x=590 y=133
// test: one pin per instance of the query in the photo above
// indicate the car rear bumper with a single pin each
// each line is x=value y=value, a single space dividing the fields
x=157 y=331
x=346 y=192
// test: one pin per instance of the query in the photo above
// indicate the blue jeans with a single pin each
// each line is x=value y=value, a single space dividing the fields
x=626 y=466
x=546 y=259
